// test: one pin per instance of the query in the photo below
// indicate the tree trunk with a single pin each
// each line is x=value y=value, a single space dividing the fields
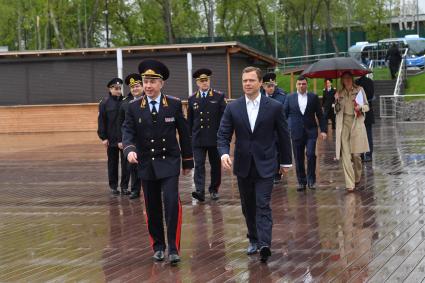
x=209 y=14
x=19 y=30
x=263 y=25
x=329 y=28
x=56 y=29
x=80 y=28
x=166 y=9
x=90 y=29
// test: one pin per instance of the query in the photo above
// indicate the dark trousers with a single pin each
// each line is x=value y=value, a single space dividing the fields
x=136 y=182
x=199 y=155
x=369 y=139
x=302 y=147
x=114 y=154
x=155 y=193
x=255 y=193
x=329 y=114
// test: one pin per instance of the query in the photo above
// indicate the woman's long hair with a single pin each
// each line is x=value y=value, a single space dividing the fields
x=342 y=86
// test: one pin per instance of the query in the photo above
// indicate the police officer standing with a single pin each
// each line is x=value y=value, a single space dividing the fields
x=108 y=132
x=134 y=81
x=205 y=109
x=149 y=140
x=270 y=89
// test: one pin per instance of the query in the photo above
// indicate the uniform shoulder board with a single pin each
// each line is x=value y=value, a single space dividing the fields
x=135 y=99
x=193 y=94
x=172 y=97
x=217 y=91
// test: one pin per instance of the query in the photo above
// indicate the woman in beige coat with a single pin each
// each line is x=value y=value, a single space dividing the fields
x=351 y=137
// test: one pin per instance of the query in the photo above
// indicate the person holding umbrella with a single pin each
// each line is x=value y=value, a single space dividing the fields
x=351 y=138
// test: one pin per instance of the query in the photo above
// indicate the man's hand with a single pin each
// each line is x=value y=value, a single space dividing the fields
x=132 y=157
x=120 y=145
x=186 y=171
x=226 y=162
x=283 y=170
x=105 y=143
x=323 y=135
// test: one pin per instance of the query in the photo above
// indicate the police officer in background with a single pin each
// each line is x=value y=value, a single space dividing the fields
x=205 y=109
x=270 y=89
x=150 y=140
x=134 y=81
x=108 y=132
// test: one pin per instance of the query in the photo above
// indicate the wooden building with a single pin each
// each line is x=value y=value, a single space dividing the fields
x=80 y=75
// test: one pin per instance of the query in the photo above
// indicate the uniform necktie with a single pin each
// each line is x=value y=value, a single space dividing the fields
x=204 y=95
x=154 y=112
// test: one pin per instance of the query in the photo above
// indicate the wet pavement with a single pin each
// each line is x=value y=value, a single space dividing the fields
x=58 y=222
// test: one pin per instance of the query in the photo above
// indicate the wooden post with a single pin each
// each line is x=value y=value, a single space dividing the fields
x=229 y=77
x=315 y=85
x=292 y=83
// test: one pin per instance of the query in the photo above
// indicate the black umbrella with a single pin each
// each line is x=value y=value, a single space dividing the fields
x=333 y=68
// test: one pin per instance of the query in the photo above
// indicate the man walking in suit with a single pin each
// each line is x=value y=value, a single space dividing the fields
x=204 y=112
x=149 y=140
x=255 y=119
x=301 y=110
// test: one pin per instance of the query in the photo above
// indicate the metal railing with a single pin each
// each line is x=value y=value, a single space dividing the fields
x=296 y=61
x=408 y=107
x=401 y=76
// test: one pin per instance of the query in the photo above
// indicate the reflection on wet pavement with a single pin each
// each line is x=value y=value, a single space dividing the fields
x=59 y=223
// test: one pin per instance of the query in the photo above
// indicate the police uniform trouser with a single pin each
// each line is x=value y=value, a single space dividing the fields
x=255 y=193
x=136 y=183
x=351 y=163
x=199 y=154
x=114 y=154
x=155 y=193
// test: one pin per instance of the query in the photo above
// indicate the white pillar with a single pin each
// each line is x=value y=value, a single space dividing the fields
x=119 y=67
x=189 y=73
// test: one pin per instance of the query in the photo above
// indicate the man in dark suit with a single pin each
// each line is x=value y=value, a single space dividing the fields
x=134 y=81
x=204 y=112
x=301 y=109
x=369 y=88
x=255 y=119
x=149 y=140
x=270 y=89
x=108 y=132
x=328 y=101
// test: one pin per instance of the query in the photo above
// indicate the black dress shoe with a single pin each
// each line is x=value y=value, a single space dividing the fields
x=159 y=256
x=252 y=249
x=134 y=195
x=174 y=259
x=198 y=196
x=301 y=187
x=214 y=196
x=312 y=186
x=265 y=253
x=115 y=192
x=125 y=192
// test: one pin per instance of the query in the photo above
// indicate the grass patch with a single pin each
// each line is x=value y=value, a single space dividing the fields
x=415 y=85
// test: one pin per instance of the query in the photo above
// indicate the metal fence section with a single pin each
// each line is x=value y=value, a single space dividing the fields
x=403 y=108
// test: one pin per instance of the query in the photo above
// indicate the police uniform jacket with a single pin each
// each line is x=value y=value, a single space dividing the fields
x=204 y=116
x=108 y=119
x=121 y=113
x=158 y=151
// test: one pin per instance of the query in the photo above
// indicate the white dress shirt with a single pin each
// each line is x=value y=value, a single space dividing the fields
x=252 y=107
x=302 y=101
x=158 y=102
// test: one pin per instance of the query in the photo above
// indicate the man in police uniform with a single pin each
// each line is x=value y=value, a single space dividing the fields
x=149 y=140
x=205 y=109
x=134 y=81
x=108 y=132
x=270 y=89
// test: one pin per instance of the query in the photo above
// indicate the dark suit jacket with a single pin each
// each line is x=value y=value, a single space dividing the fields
x=107 y=125
x=260 y=144
x=158 y=151
x=300 y=124
x=204 y=116
x=328 y=99
x=369 y=88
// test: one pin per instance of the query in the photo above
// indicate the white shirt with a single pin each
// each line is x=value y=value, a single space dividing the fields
x=158 y=102
x=302 y=101
x=252 y=107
